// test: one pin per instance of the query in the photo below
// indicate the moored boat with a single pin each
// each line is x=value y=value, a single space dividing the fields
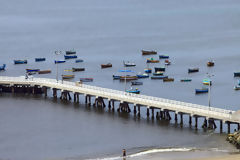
x=128 y=78
x=78 y=69
x=108 y=65
x=70 y=56
x=192 y=70
x=44 y=71
x=129 y=64
x=237 y=87
x=20 y=61
x=236 y=74
x=70 y=52
x=137 y=83
x=148 y=70
x=159 y=77
x=68 y=76
x=158 y=73
x=40 y=59
x=152 y=60
x=210 y=63
x=32 y=70
x=144 y=52
x=2 y=67
x=203 y=90
x=167 y=62
x=144 y=75
x=78 y=60
x=163 y=56
x=161 y=69
x=207 y=82
x=186 y=80
x=168 y=79
x=86 y=79
x=59 y=61
x=116 y=77
x=136 y=91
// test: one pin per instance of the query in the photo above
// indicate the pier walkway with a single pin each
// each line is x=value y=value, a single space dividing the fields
x=149 y=102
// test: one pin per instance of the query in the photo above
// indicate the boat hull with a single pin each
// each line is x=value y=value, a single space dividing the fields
x=44 y=71
x=70 y=52
x=20 y=61
x=192 y=70
x=70 y=57
x=163 y=56
x=137 y=83
x=106 y=65
x=159 y=77
x=61 y=61
x=78 y=69
x=199 y=91
x=2 y=67
x=148 y=52
x=40 y=59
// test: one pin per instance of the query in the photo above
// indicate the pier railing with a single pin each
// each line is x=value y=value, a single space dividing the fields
x=149 y=101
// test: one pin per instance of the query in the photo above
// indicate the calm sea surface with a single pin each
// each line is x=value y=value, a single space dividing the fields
x=191 y=32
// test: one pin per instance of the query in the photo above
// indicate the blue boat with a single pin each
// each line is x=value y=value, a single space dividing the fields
x=2 y=67
x=40 y=59
x=159 y=77
x=148 y=70
x=144 y=75
x=137 y=83
x=163 y=56
x=135 y=91
x=70 y=56
x=32 y=70
x=78 y=60
x=116 y=77
x=203 y=90
x=20 y=61
x=59 y=61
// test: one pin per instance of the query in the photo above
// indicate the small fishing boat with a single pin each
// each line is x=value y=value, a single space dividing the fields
x=59 y=61
x=78 y=69
x=86 y=79
x=203 y=90
x=137 y=83
x=40 y=59
x=237 y=87
x=68 y=76
x=192 y=70
x=20 y=61
x=128 y=78
x=163 y=56
x=167 y=62
x=70 y=52
x=2 y=67
x=32 y=70
x=129 y=64
x=67 y=70
x=158 y=73
x=186 y=80
x=31 y=73
x=78 y=60
x=108 y=65
x=210 y=63
x=161 y=69
x=152 y=60
x=136 y=91
x=159 y=77
x=44 y=71
x=207 y=82
x=148 y=70
x=144 y=52
x=70 y=56
x=168 y=79
x=116 y=77
x=144 y=75
x=236 y=74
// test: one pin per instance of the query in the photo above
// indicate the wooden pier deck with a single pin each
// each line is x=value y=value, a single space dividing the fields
x=164 y=105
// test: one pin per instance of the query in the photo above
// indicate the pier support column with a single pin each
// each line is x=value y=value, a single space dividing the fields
x=238 y=126
x=134 y=109
x=205 y=124
x=229 y=127
x=157 y=116
x=109 y=104
x=147 y=111
x=139 y=109
x=196 y=122
x=86 y=99
x=190 y=120
x=54 y=93
x=181 y=119
x=89 y=100
x=113 y=106
x=44 y=91
x=12 y=88
x=161 y=114
x=152 y=113
x=176 y=117
x=221 y=126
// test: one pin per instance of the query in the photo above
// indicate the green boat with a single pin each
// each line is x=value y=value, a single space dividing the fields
x=186 y=80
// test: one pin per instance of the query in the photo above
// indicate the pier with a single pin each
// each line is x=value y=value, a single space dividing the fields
x=156 y=107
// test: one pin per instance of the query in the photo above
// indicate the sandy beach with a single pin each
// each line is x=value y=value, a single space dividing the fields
x=226 y=157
